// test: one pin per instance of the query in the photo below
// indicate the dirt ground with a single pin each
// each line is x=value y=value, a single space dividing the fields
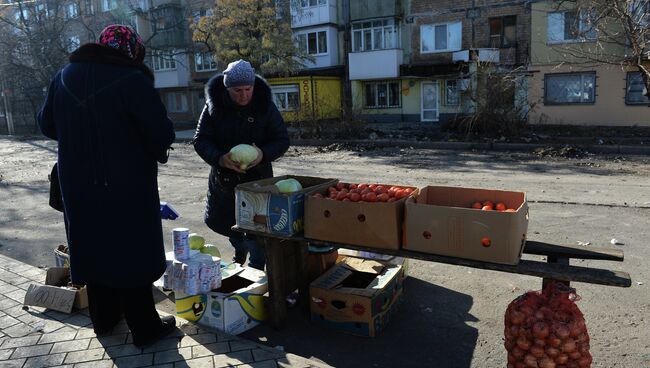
x=451 y=316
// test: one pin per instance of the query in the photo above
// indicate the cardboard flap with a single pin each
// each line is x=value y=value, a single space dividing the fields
x=57 y=276
x=364 y=265
x=51 y=297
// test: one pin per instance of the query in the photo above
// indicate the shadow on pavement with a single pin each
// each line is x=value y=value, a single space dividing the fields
x=428 y=330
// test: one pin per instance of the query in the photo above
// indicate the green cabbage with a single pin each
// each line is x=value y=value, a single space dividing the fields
x=243 y=154
x=288 y=185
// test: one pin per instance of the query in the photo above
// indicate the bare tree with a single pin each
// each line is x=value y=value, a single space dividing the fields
x=613 y=32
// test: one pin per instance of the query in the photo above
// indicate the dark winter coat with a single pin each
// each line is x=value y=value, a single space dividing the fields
x=112 y=129
x=223 y=125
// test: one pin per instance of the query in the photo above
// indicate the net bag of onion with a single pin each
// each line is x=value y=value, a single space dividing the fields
x=547 y=330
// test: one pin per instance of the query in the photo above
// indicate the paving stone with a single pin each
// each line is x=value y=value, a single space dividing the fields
x=6 y=303
x=263 y=364
x=7 y=321
x=205 y=362
x=162 y=345
x=66 y=346
x=30 y=351
x=34 y=274
x=17 y=280
x=59 y=316
x=233 y=358
x=170 y=356
x=63 y=334
x=122 y=350
x=84 y=332
x=19 y=330
x=134 y=361
x=15 y=310
x=241 y=345
x=295 y=361
x=84 y=356
x=210 y=349
x=261 y=354
x=106 y=363
x=190 y=330
x=44 y=361
x=20 y=341
x=204 y=338
x=29 y=318
x=51 y=326
x=77 y=320
x=5 y=353
x=106 y=341
x=14 y=363
x=17 y=295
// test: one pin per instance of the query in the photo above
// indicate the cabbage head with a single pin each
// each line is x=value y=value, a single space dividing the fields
x=288 y=185
x=243 y=154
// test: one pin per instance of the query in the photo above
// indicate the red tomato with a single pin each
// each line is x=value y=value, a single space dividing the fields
x=345 y=199
x=370 y=197
x=355 y=190
x=383 y=197
x=355 y=197
x=341 y=196
x=340 y=185
x=362 y=186
x=317 y=195
x=344 y=190
x=391 y=199
x=381 y=189
x=333 y=194
x=331 y=189
x=409 y=190
x=401 y=194
x=352 y=186
x=500 y=206
x=477 y=205
x=487 y=208
x=488 y=203
x=372 y=186
x=366 y=191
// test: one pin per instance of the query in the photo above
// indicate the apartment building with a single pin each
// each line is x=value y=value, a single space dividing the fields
x=567 y=86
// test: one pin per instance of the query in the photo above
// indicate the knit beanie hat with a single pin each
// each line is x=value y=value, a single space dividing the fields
x=239 y=73
x=124 y=39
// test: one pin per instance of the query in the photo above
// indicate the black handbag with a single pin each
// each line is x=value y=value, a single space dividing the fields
x=56 y=200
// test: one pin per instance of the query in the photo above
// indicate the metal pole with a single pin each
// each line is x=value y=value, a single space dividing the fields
x=8 y=118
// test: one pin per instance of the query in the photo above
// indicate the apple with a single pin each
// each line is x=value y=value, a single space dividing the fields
x=196 y=241
x=211 y=250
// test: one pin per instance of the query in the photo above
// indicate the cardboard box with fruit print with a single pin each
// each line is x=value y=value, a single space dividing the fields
x=262 y=205
x=369 y=215
x=480 y=224
x=357 y=295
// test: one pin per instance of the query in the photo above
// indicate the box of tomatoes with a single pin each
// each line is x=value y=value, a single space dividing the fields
x=362 y=214
x=480 y=224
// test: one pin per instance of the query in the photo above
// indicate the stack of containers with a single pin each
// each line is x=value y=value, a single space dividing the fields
x=191 y=272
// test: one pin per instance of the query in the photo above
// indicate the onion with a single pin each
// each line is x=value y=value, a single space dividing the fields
x=554 y=341
x=568 y=346
x=539 y=315
x=552 y=352
x=584 y=362
x=561 y=359
x=574 y=329
x=526 y=310
x=540 y=342
x=523 y=343
x=530 y=361
x=541 y=330
x=516 y=317
x=537 y=351
x=518 y=353
x=520 y=365
x=546 y=363
x=575 y=355
x=562 y=331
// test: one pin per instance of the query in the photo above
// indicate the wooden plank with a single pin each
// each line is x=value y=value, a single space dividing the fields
x=546 y=249
x=277 y=284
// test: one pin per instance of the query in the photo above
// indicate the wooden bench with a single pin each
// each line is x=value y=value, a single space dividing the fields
x=286 y=266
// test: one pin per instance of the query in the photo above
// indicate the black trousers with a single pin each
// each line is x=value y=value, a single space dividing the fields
x=107 y=305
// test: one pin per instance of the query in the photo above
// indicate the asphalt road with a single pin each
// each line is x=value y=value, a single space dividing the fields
x=451 y=316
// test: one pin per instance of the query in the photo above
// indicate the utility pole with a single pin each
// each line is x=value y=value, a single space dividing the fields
x=8 y=118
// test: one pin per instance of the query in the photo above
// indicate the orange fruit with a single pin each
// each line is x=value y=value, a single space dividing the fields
x=487 y=208
x=500 y=206
x=485 y=241
x=477 y=205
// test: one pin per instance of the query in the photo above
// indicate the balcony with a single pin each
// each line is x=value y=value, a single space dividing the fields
x=480 y=55
x=376 y=64
x=314 y=15
x=173 y=38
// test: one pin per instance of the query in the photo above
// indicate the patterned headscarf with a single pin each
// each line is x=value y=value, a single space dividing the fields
x=125 y=39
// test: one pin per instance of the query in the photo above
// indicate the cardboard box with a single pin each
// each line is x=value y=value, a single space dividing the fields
x=237 y=306
x=440 y=221
x=261 y=207
x=61 y=256
x=357 y=295
x=55 y=294
x=370 y=224
x=401 y=261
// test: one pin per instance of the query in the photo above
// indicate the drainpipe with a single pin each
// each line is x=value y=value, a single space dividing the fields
x=347 y=86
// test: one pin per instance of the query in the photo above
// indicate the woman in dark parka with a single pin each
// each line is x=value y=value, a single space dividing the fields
x=239 y=109
x=112 y=130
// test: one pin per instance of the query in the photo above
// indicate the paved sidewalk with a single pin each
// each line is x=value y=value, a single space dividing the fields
x=36 y=337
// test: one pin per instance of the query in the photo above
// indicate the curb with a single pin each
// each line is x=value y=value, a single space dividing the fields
x=485 y=146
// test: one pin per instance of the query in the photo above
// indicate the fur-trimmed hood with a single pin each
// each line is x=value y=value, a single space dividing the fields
x=95 y=53
x=216 y=95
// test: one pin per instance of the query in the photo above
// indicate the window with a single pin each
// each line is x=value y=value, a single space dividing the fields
x=309 y=3
x=503 y=31
x=163 y=60
x=451 y=93
x=286 y=97
x=635 y=91
x=73 y=43
x=313 y=43
x=382 y=94
x=89 y=7
x=108 y=5
x=204 y=61
x=570 y=88
x=71 y=10
x=374 y=35
x=570 y=26
x=441 y=37
x=176 y=102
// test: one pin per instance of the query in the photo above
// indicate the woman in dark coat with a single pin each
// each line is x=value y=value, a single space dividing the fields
x=239 y=109
x=112 y=131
